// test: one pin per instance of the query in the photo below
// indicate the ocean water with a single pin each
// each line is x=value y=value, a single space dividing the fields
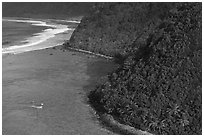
x=22 y=35
x=14 y=33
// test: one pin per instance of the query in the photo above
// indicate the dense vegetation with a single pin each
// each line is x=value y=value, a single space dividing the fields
x=158 y=87
x=111 y=27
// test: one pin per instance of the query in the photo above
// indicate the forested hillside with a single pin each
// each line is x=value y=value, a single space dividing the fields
x=158 y=87
x=111 y=27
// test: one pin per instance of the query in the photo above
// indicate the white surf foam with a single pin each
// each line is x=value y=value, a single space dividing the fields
x=37 y=38
x=33 y=22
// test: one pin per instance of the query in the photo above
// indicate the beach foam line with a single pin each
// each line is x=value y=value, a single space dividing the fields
x=32 y=22
x=37 y=38
x=35 y=21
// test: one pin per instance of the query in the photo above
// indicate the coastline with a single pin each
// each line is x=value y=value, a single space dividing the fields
x=72 y=19
x=105 y=119
x=126 y=72
x=39 y=41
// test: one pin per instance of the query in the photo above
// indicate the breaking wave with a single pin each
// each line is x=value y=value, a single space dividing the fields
x=37 y=38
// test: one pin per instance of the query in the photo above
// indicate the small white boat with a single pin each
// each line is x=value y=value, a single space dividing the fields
x=40 y=106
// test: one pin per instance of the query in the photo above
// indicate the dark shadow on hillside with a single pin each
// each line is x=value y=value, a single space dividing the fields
x=97 y=71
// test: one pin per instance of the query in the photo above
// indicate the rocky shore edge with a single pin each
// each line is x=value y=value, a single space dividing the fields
x=116 y=126
x=107 y=119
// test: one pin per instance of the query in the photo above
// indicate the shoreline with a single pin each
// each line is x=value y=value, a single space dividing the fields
x=71 y=20
x=105 y=120
x=37 y=39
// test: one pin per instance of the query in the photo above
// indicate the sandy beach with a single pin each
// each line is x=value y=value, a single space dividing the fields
x=58 y=79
